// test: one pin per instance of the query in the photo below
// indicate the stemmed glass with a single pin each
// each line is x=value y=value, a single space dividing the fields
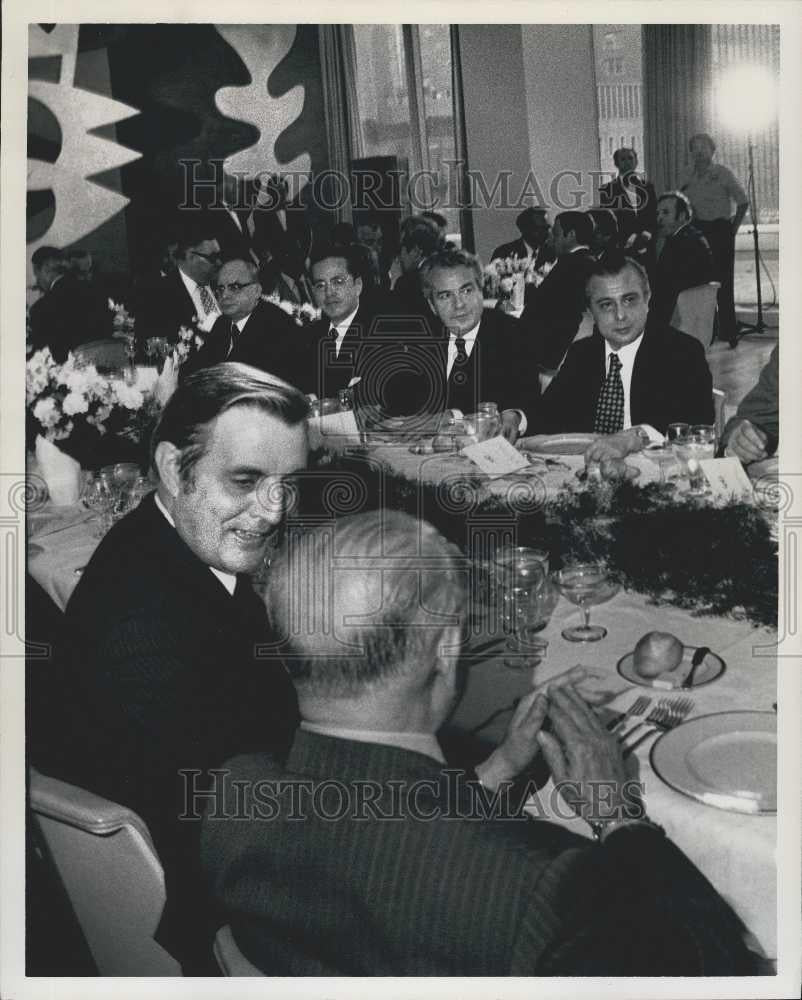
x=585 y=584
x=99 y=497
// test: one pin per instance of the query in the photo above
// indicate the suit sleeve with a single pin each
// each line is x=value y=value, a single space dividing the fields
x=760 y=406
x=558 y=411
x=634 y=906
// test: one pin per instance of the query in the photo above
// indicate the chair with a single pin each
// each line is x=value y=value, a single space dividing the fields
x=230 y=959
x=695 y=312
x=107 y=355
x=106 y=860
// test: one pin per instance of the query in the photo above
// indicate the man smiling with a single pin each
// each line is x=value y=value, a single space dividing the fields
x=164 y=626
x=627 y=375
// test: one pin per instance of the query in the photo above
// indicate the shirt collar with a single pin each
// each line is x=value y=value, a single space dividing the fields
x=579 y=246
x=240 y=323
x=190 y=283
x=468 y=337
x=626 y=354
x=423 y=743
x=228 y=580
x=344 y=324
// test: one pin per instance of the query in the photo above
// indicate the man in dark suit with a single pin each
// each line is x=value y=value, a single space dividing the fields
x=70 y=312
x=484 y=355
x=251 y=331
x=419 y=239
x=185 y=294
x=533 y=225
x=754 y=432
x=232 y=216
x=684 y=259
x=629 y=373
x=163 y=628
x=396 y=865
x=280 y=230
x=554 y=311
x=633 y=200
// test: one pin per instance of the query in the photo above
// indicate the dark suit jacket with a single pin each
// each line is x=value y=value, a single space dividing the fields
x=164 y=675
x=554 y=311
x=412 y=886
x=291 y=246
x=73 y=312
x=685 y=261
x=630 y=220
x=671 y=383
x=761 y=405
x=499 y=370
x=235 y=243
x=162 y=307
x=269 y=341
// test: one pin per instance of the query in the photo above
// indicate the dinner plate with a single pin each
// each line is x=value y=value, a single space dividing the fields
x=727 y=760
x=558 y=444
x=709 y=670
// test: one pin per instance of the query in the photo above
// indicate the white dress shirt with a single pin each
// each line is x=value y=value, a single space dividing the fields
x=205 y=319
x=228 y=580
x=342 y=328
x=627 y=355
x=424 y=743
x=470 y=341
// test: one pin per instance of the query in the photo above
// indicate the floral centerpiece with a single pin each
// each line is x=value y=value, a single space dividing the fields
x=301 y=312
x=189 y=343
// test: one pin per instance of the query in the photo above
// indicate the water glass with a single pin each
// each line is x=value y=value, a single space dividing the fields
x=675 y=432
x=99 y=497
x=692 y=450
x=490 y=411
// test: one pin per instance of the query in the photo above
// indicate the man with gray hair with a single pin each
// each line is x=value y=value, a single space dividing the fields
x=164 y=626
x=365 y=855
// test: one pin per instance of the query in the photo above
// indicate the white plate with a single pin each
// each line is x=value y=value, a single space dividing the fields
x=727 y=760
x=710 y=669
x=558 y=444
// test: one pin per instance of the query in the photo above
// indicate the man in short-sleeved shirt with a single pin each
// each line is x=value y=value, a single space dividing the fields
x=712 y=189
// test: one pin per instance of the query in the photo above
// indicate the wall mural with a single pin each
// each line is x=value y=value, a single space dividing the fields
x=114 y=109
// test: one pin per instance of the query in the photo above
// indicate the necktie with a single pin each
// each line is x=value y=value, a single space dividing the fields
x=610 y=405
x=333 y=339
x=232 y=339
x=207 y=300
x=458 y=375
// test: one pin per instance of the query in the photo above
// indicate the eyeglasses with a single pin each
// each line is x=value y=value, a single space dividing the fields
x=338 y=282
x=231 y=286
x=211 y=257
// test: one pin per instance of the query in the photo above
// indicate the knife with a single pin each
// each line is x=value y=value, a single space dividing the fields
x=697 y=658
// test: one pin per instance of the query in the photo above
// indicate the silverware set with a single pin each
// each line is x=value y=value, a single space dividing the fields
x=666 y=714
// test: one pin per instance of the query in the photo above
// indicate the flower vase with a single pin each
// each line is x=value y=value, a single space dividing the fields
x=60 y=471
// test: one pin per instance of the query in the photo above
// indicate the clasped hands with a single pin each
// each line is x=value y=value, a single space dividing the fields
x=609 y=451
x=578 y=749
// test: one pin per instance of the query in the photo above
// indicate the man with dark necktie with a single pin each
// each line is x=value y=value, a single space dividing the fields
x=484 y=355
x=250 y=330
x=628 y=375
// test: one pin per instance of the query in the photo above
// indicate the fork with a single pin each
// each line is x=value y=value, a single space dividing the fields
x=664 y=716
x=637 y=707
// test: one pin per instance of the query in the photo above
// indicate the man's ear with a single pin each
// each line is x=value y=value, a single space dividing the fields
x=167 y=458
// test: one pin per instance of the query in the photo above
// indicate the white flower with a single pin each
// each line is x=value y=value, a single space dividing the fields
x=129 y=396
x=199 y=342
x=46 y=412
x=288 y=307
x=183 y=350
x=74 y=403
x=185 y=333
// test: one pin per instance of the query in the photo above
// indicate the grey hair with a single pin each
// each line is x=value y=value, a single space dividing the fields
x=448 y=260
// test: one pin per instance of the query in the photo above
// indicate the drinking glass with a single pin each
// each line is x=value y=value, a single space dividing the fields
x=584 y=584
x=693 y=449
x=490 y=410
x=675 y=432
x=99 y=497
x=521 y=575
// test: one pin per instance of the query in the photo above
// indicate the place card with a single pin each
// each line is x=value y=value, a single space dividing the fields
x=727 y=479
x=496 y=456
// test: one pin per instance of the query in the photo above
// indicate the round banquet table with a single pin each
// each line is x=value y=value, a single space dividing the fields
x=735 y=851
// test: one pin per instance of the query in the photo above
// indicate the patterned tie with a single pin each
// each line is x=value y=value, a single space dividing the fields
x=458 y=374
x=610 y=406
x=207 y=300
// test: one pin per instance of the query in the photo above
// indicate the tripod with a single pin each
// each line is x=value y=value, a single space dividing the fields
x=759 y=326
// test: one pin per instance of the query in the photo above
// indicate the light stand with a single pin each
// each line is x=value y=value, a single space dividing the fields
x=759 y=326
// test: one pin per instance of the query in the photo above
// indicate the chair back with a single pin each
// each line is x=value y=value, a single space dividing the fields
x=230 y=959
x=107 y=354
x=108 y=865
x=695 y=312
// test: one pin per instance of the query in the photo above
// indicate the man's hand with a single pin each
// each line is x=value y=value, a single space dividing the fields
x=611 y=446
x=747 y=442
x=510 y=422
x=581 y=753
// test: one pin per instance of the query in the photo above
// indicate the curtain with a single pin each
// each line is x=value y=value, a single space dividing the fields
x=419 y=141
x=460 y=143
x=677 y=84
x=341 y=106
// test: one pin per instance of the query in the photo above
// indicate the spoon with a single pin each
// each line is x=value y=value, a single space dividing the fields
x=697 y=658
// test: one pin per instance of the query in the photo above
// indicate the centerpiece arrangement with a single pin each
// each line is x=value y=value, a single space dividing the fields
x=302 y=313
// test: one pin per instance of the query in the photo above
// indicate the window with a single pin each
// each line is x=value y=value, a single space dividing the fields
x=620 y=86
x=382 y=84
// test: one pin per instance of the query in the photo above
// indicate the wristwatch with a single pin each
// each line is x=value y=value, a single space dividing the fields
x=602 y=828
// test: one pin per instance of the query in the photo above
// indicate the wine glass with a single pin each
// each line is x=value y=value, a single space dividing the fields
x=584 y=584
x=99 y=497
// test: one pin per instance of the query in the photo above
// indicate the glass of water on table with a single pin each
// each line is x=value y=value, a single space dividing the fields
x=698 y=445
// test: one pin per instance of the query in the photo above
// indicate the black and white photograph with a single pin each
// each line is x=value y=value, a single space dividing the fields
x=401 y=542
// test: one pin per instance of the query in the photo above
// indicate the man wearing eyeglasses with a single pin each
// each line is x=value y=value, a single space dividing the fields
x=184 y=297
x=250 y=330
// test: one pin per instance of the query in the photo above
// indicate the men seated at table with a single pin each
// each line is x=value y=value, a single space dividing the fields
x=365 y=854
x=553 y=313
x=250 y=330
x=163 y=628
x=754 y=432
x=483 y=354
x=184 y=294
x=683 y=255
x=70 y=312
x=634 y=202
x=533 y=225
x=628 y=372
